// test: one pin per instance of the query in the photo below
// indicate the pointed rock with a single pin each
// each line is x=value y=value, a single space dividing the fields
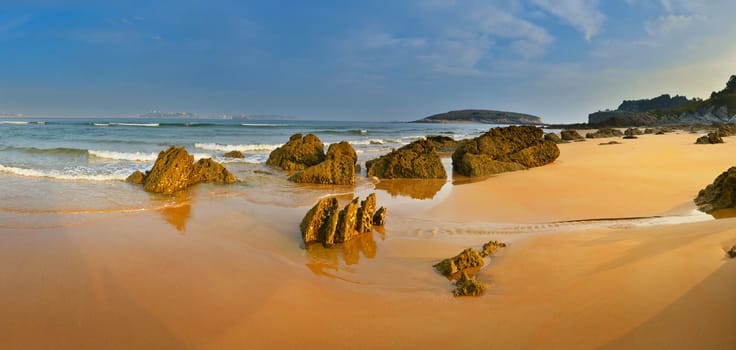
x=171 y=171
x=379 y=218
x=320 y=222
x=346 y=222
x=365 y=214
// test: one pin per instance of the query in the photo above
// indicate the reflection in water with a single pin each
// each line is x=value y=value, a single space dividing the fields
x=178 y=213
x=322 y=259
x=724 y=213
x=414 y=188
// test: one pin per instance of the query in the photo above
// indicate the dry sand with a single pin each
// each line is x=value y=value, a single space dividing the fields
x=222 y=272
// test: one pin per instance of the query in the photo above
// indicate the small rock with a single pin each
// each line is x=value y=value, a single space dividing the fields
x=711 y=138
x=732 y=252
x=465 y=260
x=379 y=218
x=468 y=286
x=136 y=177
x=234 y=154
x=491 y=247
x=630 y=137
x=609 y=143
x=171 y=171
x=207 y=170
x=571 y=135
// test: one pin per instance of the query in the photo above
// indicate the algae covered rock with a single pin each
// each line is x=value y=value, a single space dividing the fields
x=234 y=154
x=571 y=135
x=417 y=160
x=504 y=149
x=338 y=168
x=365 y=214
x=491 y=247
x=207 y=170
x=136 y=177
x=553 y=137
x=604 y=133
x=379 y=218
x=468 y=286
x=467 y=259
x=171 y=171
x=721 y=194
x=298 y=153
x=711 y=138
x=320 y=221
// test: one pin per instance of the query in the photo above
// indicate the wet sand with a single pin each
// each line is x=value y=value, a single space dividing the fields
x=221 y=270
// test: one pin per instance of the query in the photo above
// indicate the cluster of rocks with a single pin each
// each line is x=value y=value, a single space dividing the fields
x=418 y=159
x=571 y=135
x=632 y=133
x=306 y=156
x=462 y=266
x=442 y=143
x=721 y=194
x=327 y=224
x=175 y=170
x=604 y=133
x=504 y=149
x=711 y=138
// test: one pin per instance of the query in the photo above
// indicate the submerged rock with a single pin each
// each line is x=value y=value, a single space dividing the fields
x=504 y=149
x=468 y=286
x=320 y=221
x=467 y=259
x=298 y=153
x=417 y=160
x=711 y=138
x=365 y=214
x=491 y=247
x=234 y=154
x=379 y=218
x=136 y=177
x=338 y=168
x=721 y=194
x=571 y=135
x=604 y=133
x=553 y=137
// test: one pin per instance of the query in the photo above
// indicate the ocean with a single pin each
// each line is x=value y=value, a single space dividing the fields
x=79 y=164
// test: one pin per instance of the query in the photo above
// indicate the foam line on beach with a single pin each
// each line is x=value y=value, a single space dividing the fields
x=131 y=156
x=243 y=148
x=58 y=175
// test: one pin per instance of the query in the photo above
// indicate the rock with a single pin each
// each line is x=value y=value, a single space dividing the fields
x=320 y=222
x=604 y=133
x=467 y=259
x=504 y=149
x=732 y=252
x=711 y=138
x=571 y=135
x=365 y=214
x=443 y=143
x=726 y=130
x=468 y=286
x=347 y=222
x=338 y=168
x=633 y=132
x=609 y=143
x=234 y=154
x=299 y=153
x=491 y=247
x=171 y=171
x=630 y=137
x=553 y=137
x=417 y=160
x=721 y=194
x=379 y=218
x=136 y=177
x=207 y=170
x=649 y=131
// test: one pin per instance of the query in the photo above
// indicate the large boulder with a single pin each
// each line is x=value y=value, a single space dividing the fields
x=207 y=170
x=721 y=194
x=298 y=153
x=417 y=160
x=504 y=149
x=571 y=135
x=338 y=168
x=711 y=138
x=171 y=171
x=604 y=133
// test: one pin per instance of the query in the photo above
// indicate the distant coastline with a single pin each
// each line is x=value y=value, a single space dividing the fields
x=481 y=116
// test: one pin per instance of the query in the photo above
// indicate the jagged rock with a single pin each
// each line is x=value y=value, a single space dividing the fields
x=504 y=149
x=347 y=221
x=207 y=170
x=467 y=259
x=609 y=143
x=443 y=143
x=338 y=168
x=299 y=153
x=711 y=138
x=320 y=222
x=732 y=252
x=468 y=286
x=417 y=160
x=136 y=177
x=721 y=194
x=604 y=133
x=379 y=218
x=491 y=247
x=171 y=171
x=234 y=154
x=365 y=214
x=553 y=137
x=571 y=135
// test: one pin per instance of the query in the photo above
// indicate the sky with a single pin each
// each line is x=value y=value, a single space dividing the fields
x=359 y=60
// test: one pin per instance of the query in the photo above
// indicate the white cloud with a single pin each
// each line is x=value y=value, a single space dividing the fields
x=583 y=15
x=664 y=25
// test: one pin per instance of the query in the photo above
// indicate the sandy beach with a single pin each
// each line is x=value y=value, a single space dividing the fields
x=221 y=269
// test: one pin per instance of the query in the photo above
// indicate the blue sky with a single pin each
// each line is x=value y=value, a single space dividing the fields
x=359 y=60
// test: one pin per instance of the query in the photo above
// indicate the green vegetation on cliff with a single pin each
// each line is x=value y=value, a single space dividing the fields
x=481 y=116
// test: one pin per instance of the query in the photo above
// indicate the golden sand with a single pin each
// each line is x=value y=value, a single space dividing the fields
x=223 y=272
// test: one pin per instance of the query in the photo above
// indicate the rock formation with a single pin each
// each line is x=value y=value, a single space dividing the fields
x=298 y=153
x=504 y=149
x=604 y=133
x=327 y=224
x=379 y=218
x=732 y=252
x=462 y=266
x=571 y=135
x=417 y=160
x=711 y=138
x=175 y=170
x=491 y=247
x=467 y=286
x=234 y=154
x=443 y=143
x=553 y=137
x=338 y=168
x=468 y=258
x=721 y=194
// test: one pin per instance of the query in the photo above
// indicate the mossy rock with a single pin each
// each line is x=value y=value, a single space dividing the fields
x=417 y=160
x=468 y=286
x=469 y=258
x=338 y=168
x=298 y=153
x=721 y=194
x=491 y=247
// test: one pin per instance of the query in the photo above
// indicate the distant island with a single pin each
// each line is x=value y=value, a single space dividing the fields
x=481 y=116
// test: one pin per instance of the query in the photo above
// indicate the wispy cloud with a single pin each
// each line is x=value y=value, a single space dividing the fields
x=583 y=15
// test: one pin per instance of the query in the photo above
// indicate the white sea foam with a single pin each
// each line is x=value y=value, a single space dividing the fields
x=243 y=148
x=101 y=124
x=367 y=142
x=136 y=124
x=132 y=156
x=13 y=122
x=264 y=125
x=55 y=174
